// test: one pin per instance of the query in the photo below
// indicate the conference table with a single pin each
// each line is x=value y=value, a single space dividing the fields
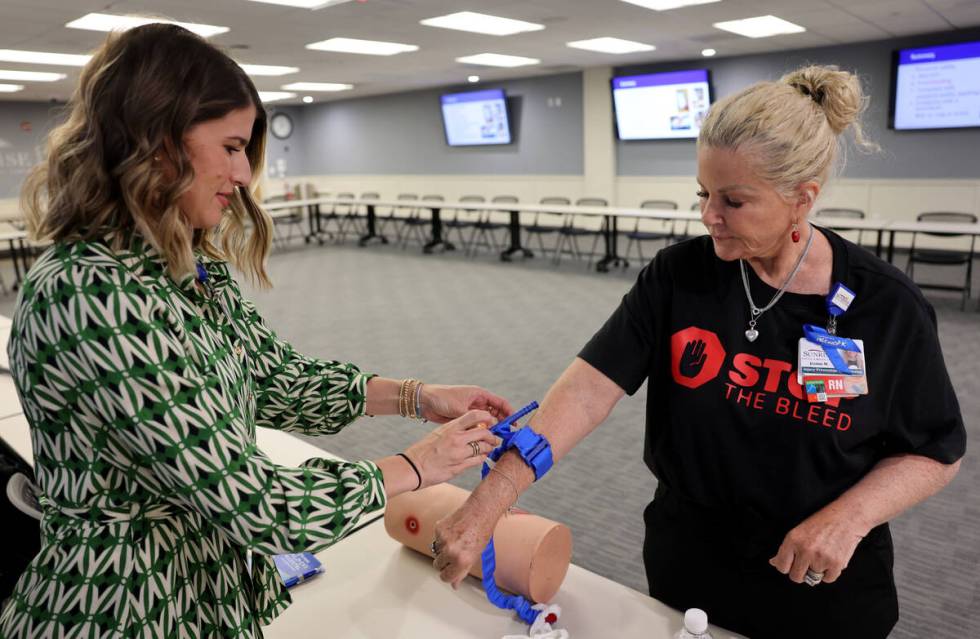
x=609 y=228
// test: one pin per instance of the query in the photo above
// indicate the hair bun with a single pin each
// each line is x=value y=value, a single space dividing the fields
x=837 y=92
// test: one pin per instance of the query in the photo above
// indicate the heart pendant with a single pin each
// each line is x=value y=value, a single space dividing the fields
x=751 y=334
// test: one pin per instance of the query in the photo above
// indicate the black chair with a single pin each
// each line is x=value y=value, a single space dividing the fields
x=490 y=223
x=960 y=255
x=651 y=229
x=347 y=217
x=396 y=215
x=853 y=214
x=581 y=225
x=464 y=219
x=416 y=223
x=290 y=218
x=545 y=223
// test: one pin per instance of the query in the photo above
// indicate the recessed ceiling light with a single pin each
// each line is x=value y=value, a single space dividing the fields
x=366 y=47
x=44 y=57
x=481 y=23
x=272 y=96
x=303 y=4
x=610 y=45
x=266 y=69
x=110 y=22
x=31 y=76
x=307 y=99
x=473 y=78
x=666 y=5
x=497 y=60
x=317 y=86
x=759 y=27
x=11 y=88
x=708 y=52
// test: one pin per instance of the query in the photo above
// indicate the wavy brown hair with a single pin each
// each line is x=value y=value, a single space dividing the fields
x=136 y=99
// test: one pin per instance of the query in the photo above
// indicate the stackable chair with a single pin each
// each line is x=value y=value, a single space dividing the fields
x=396 y=215
x=490 y=223
x=581 y=225
x=421 y=219
x=650 y=229
x=463 y=219
x=545 y=223
x=959 y=251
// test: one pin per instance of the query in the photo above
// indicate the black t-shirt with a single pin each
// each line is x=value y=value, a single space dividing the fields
x=733 y=429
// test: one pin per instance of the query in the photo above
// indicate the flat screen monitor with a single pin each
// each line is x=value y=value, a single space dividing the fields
x=936 y=87
x=659 y=106
x=476 y=118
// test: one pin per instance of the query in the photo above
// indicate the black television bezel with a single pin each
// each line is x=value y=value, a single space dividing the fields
x=507 y=109
x=612 y=96
x=893 y=91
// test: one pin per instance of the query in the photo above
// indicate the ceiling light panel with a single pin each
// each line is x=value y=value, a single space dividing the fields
x=266 y=69
x=303 y=4
x=760 y=27
x=667 y=5
x=272 y=96
x=110 y=22
x=364 y=47
x=44 y=57
x=317 y=86
x=481 y=23
x=11 y=88
x=498 y=60
x=31 y=76
x=611 y=45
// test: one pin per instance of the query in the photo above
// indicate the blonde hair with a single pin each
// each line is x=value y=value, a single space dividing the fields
x=791 y=128
x=103 y=175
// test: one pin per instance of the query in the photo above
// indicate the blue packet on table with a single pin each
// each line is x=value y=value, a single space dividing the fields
x=297 y=568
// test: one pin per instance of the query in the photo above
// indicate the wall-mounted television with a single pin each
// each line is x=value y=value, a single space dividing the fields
x=936 y=87
x=476 y=118
x=660 y=106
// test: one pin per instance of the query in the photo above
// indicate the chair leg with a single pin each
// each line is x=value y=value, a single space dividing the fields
x=559 y=247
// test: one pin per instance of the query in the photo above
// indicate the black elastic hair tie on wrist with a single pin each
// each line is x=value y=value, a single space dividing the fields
x=415 y=468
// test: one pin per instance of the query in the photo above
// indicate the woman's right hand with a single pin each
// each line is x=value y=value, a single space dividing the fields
x=448 y=450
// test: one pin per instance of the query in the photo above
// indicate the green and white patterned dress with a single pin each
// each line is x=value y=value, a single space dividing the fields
x=143 y=395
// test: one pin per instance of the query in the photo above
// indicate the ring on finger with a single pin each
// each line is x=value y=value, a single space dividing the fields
x=475 y=447
x=434 y=547
x=812 y=578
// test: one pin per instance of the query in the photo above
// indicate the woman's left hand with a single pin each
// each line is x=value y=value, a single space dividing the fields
x=441 y=404
x=823 y=543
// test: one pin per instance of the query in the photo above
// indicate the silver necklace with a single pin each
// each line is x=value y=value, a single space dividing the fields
x=751 y=334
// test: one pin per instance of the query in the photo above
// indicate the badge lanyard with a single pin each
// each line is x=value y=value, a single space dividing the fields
x=838 y=301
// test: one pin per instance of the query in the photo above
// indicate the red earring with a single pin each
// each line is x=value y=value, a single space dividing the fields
x=795 y=235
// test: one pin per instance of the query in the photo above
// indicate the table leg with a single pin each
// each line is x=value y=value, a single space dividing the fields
x=611 y=257
x=371 y=228
x=515 y=239
x=878 y=243
x=14 y=257
x=437 y=234
x=891 y=246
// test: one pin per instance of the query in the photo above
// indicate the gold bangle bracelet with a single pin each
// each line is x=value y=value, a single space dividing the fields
x=510 y=481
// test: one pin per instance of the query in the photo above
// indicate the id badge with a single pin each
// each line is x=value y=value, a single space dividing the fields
x=825 y=375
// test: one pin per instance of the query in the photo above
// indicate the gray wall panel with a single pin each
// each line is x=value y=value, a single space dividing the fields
x=403 y=134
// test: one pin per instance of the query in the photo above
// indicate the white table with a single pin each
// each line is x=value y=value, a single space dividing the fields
x=927 y=227
x=373 y=588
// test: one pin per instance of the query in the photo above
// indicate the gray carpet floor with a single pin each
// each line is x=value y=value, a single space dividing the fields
x=513 y=328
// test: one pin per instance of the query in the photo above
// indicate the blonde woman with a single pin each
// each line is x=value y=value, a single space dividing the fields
x=771 y=510
x=144 y=373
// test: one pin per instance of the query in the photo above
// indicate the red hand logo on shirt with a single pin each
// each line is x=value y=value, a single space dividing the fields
x=696 y=356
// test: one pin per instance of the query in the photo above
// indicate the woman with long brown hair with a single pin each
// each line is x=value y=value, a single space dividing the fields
x=143 y=372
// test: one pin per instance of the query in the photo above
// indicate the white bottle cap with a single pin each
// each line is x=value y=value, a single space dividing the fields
x=696 y=621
